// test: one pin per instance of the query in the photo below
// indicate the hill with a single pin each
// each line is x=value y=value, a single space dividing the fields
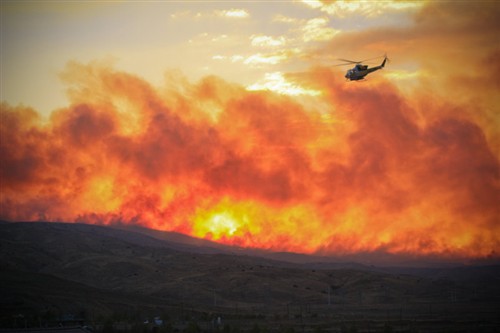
x=97 y=273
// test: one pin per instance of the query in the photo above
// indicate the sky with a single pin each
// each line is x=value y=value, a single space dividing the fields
x=232 y=121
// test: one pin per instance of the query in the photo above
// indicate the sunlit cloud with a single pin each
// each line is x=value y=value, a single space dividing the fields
x=271 y=58
x=267 y=41
x=233 y=13
x=236 y=58
x=285 y=19
x=232 y=58
x=342 y=9
x=227 y=13
x=313 y=3
x=277 y=82
x=317 y=30
x=259 y=58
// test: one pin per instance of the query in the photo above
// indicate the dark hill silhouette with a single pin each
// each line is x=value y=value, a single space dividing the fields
x=56 y=268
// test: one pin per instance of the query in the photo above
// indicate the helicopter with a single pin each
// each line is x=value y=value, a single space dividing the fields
x=359 y=71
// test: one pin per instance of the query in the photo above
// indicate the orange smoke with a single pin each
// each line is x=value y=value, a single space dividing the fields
x=373 y=172
x=406 y=165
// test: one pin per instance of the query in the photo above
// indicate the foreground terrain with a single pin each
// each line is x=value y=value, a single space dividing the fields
x=54 y=274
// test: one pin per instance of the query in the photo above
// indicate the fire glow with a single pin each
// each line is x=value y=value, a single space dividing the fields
x=265 y=171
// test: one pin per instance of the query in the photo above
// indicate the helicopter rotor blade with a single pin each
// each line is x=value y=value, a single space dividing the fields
x=359 y=62
x=349 y=64
x=372 y=58
x=350 y=61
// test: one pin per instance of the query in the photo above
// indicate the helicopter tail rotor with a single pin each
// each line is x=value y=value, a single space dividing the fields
x=387 y=58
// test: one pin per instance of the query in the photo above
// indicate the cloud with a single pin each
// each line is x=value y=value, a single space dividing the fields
x=267 y=41
x=316 y=30
x=259 y=58
x=285 y=19
x=233 y=13
x=258 y=169
x=370 y=9
x=278 y=83
x=360 y=167
x=271 y=58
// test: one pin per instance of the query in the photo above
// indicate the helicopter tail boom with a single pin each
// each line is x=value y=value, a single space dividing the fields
x=383 y=62
x=373 y=69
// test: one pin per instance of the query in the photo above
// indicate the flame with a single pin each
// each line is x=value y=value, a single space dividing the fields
x=250 y=224
x=224 y=221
